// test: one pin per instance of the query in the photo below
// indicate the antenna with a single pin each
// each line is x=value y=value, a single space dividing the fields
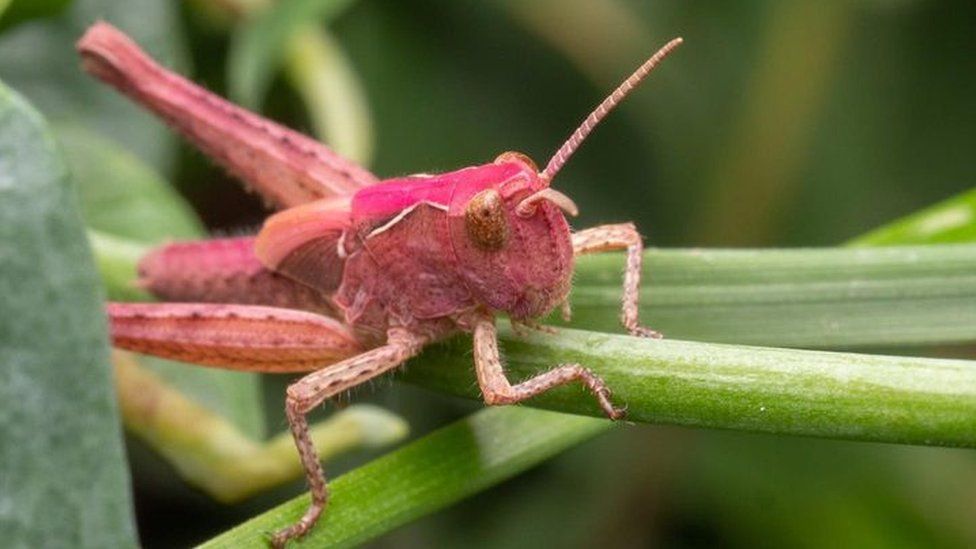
x=569 y=147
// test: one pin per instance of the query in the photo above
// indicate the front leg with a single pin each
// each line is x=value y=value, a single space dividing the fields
x=616 y=237
x=496 y=389
x=313 y=389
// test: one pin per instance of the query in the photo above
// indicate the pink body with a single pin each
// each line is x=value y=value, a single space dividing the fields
x=425 y=268
x=394 y=265
x=398 y=254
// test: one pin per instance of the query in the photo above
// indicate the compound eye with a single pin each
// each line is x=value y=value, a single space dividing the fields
x=485 y=220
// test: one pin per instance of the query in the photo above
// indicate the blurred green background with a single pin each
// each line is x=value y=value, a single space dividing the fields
x=778 y=123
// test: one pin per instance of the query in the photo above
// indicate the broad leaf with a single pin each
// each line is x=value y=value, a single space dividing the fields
x=120 y=194
x=17 y=11
x=63 y=473
x=36 y=59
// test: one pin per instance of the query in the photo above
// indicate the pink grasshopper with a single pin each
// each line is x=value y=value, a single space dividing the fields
x=356 y=275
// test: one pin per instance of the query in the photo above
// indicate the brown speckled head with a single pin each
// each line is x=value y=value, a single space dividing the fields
x=515 y=260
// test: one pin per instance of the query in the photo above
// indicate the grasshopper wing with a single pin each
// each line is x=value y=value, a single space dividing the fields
x=283 y=166
x=304 y=243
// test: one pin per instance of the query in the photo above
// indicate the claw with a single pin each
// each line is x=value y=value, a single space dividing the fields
x=523 y=327
x=566 y=310
x=642 y=331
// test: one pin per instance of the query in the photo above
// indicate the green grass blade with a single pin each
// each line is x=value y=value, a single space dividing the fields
x=837 y=395
x=844 y=395
x=322 y=74
x=117 y=259
x=260 y=43
x=814 y=298
x=449 y=464
x=953 y=220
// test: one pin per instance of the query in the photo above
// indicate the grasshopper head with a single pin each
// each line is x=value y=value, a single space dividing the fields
x=512 y=240
x=507 y=224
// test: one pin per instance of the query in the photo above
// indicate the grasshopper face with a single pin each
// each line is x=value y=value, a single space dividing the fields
x=512 y=241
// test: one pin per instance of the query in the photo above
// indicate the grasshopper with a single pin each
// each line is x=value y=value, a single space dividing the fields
x=356 y=275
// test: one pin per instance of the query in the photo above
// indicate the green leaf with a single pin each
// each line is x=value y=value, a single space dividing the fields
x=117 y=259
x=953 y=220
x=861 y=397
x=121 y=195
x=130 y=205
x=840 y=395
x=13 y=12
x=323 y=75
x=456 y=461
x=259 y=44
x=814 y=298
x=38 y=60
x=58 y=422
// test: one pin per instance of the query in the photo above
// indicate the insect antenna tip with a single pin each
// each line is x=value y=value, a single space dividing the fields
x=576 y=139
